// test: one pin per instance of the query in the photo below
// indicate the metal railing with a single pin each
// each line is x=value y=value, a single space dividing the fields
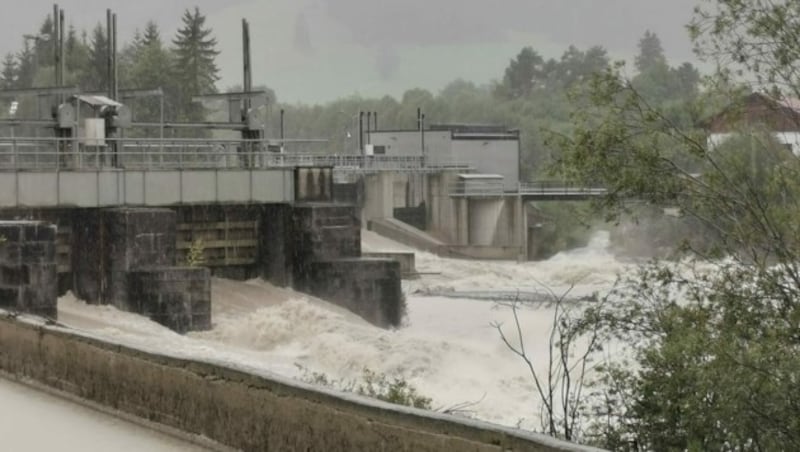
x=556 y=187
x=48 y=154
x=548 y=188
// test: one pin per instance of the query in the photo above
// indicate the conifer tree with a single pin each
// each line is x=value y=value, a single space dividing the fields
x=8 y=73
x=196 y=71
x=96 y=75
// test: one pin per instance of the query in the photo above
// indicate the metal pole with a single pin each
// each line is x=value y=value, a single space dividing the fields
x=115 y=82
x=361 y=133
x=283 y=112
x=161 y=128
x=422 y=136
x=109 y=62
x=61 y=59
x=13 y=148
x=56 y=62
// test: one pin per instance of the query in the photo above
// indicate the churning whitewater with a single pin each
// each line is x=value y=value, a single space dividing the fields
x=447 y=347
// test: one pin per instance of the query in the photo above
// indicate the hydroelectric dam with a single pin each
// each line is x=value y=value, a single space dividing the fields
x=95 y=216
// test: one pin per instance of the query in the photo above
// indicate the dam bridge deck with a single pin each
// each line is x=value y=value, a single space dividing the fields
x=66 y=172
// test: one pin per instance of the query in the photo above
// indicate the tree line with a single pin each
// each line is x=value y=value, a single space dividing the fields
x=183 y=67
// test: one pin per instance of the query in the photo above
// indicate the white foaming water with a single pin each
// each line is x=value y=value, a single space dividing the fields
x=447 y=348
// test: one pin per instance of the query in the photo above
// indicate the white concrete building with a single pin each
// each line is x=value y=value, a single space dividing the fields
x=487 y=149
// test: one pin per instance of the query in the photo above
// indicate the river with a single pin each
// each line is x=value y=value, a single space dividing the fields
x=447 y=348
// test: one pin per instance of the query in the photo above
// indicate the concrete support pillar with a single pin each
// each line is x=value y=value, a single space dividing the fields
x=378 y=197
x=134 y=238
x=275 y=244
x=28 y=275
x=316 y=248
x=370 y=288
x=484 y=217
x=462 y=221
x=521 y=228
x=176 y=297
x=132 y=252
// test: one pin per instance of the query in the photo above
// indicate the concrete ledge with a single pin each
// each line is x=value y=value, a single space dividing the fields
x=482 y=252
x=248 y=411
x=406 y=234
x=407 y=261
x=410 y=236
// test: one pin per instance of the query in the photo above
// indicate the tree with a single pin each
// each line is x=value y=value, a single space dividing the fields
x=151 y=36
x=714 y=347
x=522 y=74
x=76 y=57
x=9 y=72
x=651 y=54
x=561 y=386
x=95 y=77
x=196 y=71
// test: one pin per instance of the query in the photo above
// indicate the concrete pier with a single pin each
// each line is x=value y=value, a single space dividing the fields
x=369 y=287
x=316 y=248
x=176 y=297
x=28 y=277
x=126 y=257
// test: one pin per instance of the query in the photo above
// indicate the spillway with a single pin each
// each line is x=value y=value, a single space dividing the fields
x=447 y=347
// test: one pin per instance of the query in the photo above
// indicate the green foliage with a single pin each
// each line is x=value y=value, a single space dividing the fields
x=522 y=74
x=562 y=226
x=712 y=349
x=715 y=360
x=196 y=71
x=394 y=390
x=8 y=73
x=195 y=257
x=651 y=54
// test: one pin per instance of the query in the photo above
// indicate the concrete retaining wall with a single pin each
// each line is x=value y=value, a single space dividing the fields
x=238 y=409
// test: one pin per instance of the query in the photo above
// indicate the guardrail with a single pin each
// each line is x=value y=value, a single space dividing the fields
x=554 y=187
x=47 y=154
x=547 y=188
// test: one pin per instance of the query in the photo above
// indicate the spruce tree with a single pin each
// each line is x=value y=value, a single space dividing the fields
x=8 y=74
x=152 y=67
x=76 y=57
x=196 y=71
x=26 y=69
x=96 y=75
x=651 y=54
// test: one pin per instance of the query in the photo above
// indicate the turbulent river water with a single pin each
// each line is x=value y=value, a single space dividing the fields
x=447 y=348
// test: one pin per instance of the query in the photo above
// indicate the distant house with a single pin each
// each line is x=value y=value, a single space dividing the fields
x=781 y=116
x=488 y=149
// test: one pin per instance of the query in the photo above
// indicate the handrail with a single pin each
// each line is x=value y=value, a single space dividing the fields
x=187 y=153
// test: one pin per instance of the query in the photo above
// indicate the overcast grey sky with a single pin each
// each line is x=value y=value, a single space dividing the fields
x=317 y=50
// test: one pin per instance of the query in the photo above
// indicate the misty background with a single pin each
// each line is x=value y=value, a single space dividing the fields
x=313 y=51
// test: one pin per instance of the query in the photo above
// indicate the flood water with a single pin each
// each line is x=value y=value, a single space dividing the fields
x=447 y=348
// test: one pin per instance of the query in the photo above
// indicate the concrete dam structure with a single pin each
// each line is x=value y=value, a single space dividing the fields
x=143 y=224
